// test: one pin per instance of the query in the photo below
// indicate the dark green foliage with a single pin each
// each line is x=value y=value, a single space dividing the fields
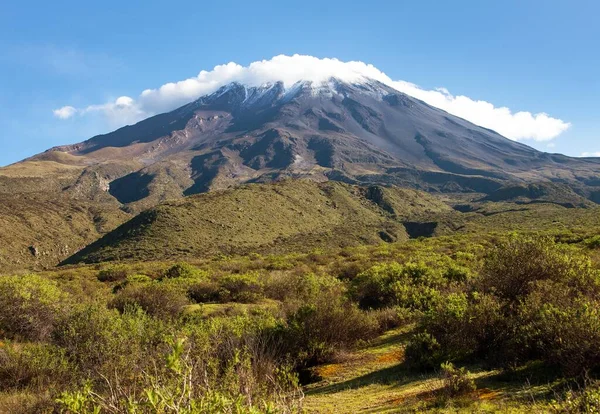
x=424 y=351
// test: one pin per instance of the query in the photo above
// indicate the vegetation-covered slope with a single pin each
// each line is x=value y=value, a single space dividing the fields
x=539 y=193
x=286 y=216
x=37 y=232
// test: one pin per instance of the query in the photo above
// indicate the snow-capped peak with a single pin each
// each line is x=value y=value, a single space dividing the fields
x=248 y=94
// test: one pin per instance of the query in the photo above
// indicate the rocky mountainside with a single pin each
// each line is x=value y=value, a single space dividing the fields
x=364 y=132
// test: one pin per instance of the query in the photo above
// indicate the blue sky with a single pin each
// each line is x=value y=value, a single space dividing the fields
x=535 y=56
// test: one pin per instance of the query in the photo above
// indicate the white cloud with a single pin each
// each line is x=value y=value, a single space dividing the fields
x=65 y=112
x=290 y=69
x=590 y=154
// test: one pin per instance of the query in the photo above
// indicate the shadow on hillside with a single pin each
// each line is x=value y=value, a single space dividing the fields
x=393 y=339
x=395 y=375
x=530 y=382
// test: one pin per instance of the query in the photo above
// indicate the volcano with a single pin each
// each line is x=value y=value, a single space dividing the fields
x=356 y=132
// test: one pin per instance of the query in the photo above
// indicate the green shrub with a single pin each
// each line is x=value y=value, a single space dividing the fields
x=586 y=400
x=593 y=242
x=33 y=366
x=30 y=306
x=390 y=318
x=415 y=297
x=412 y=285
x=138 y=279
x=298 y=286
x=457 y=273
x=157 y=299
x=457 y=381
x=100 y=341
x=205 y=291
x=216 y=369
x=88 y=336
x=512 y=268
x=113 y=274
x=246 y=288
x=182 y=270
x=562 y=328
x=538 y=302
x=315 y=331
x=424 y=352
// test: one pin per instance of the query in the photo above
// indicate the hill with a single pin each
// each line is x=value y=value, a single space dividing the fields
x=287 y=216
x=38 y=233
x=539 y=193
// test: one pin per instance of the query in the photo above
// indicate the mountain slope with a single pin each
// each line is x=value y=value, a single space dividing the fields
x=294 y=215
x=360 y=133
x=365 y=132
x=38 y=233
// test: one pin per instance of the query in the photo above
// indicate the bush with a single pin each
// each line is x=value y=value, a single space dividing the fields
x=181 y=270
x=539 y=302
x=30 y=306
x=457 y=273
x=424 y=352
x=457 y=381
x=412 y=285
x=246 y=288
x=113 y=274
x=561 y=328
x=583 y=401
x=512 y=268
x=222 y=366
x=158 y=299
x=298 y=286
x=37 y=366
x=593 y=242
x=138 y=279
x=315 y=331
x=205 y=291
x=100 y=341
x=390 y=318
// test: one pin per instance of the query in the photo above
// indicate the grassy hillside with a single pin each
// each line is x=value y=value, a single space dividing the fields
x=298 y=216
x=284 y=217
x=37 y=232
